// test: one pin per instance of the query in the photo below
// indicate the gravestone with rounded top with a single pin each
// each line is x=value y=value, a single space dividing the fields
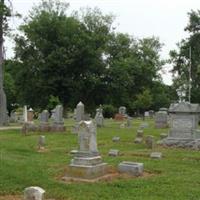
x=99 y=117
x=44 y=121
x=34 y=193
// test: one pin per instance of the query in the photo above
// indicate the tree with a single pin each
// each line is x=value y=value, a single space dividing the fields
x=181 y=58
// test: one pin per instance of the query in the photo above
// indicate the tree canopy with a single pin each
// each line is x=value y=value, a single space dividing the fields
x=80 y=57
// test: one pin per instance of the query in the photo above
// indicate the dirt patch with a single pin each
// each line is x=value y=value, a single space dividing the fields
x=11 y=197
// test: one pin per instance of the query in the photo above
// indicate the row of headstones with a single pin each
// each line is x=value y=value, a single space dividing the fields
x=45 y=126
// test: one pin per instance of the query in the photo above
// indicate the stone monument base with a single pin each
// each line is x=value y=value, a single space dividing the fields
x=28 y=127
x=57 y=128
x=181 y=142
x=44 y=127
x=86 y=168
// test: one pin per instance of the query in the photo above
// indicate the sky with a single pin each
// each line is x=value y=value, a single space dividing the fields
x=165 y=19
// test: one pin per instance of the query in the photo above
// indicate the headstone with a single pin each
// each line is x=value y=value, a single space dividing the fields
x=122 y=110
x=151 y=113
x=99 y=117
x=128 y=122
x=139 y=136
x=156 y=155
x=131 y=168
x=13 y=117
x=41 y=142
x=58 y=121
x=138 y=140
x=140 y=133
x=30 y=115
x=113 y=152
x=122 y=125
x=80 y=112
x=44 y=121
x=161 y=119
x=146 y=113
x=184 y=118
x=34 y=193
x=87 y=163
x=150 y=143
x=116 y=139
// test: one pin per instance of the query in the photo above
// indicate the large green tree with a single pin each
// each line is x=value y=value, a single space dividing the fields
x=181 y=59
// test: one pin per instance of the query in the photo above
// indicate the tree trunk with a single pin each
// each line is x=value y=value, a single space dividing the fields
x=3 y=103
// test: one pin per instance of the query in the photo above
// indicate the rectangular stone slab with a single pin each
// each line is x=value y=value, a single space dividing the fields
x=132 y=168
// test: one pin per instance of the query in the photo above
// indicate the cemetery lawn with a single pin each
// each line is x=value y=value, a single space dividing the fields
x=176 y=176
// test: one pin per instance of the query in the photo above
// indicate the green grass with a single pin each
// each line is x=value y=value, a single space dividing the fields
x=177 y=175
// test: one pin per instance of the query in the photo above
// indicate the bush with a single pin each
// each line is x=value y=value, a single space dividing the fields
x=109 y=110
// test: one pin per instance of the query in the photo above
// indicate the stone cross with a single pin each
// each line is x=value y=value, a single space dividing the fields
x=80 y=112
x=87 y=137
x=33 y=193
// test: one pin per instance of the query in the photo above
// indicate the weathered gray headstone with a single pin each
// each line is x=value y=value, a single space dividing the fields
x=156 y=155
x=113 y=152
x=144 y=125
x=41 y=142
x=161 y=119
x=58 y=121
x=184 y=118
x=44 y=121
x=87 y=163
x=139 y=136
x=150 y=143
x=116 y=139
x=80 y=112
x=34 y=193
x=99 y=117
x=131 y=168
x=122 y=110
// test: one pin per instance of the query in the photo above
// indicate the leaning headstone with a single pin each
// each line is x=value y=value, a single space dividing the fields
x=79 y=115
x=113 y=152
x=44 y=121
x=150 y=143
x=116 y=139
x=58 y=121
x=161 y=119
x=184 y=118
x=131 y=168
x=156 y=155
x=99 y=117
x=41 y=142
x=34 y=193
x=87 y=162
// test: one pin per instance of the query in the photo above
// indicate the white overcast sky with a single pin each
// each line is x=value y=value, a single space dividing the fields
x=165 y=19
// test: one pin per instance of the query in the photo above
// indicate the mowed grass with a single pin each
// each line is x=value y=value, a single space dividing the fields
x=176 y=176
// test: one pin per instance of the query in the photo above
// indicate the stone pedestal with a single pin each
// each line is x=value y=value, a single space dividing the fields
x=57 y=127
x=87 y=167
x=183 y=131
